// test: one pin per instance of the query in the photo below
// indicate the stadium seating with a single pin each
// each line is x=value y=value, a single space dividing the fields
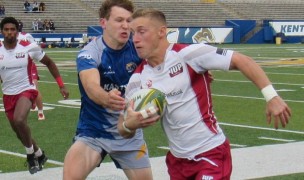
x=73 y=16
x=265 y=9
x=69 y=16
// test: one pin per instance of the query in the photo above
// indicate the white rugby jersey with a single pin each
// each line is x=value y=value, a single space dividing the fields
x=189 y=121
x=15 y=66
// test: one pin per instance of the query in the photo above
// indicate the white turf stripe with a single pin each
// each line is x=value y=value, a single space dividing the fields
x=235 y=81
x=52 y=82
x=58 y=105
x=246 y=97
x=163 y=147
x=24 y=156
x=261 y=128
x=277 y=139
x=238 y=145
x=234 y=145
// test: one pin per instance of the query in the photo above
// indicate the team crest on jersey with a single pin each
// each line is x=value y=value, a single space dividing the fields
x=175 y=70
x=1 y=57
x=20 y=55
x=130 y=67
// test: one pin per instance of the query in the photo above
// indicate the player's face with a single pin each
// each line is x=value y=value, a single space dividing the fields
x=146 y=37
x=9 y=33
x=116 y=28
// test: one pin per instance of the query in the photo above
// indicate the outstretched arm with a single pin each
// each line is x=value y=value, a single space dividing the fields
x=276 y=108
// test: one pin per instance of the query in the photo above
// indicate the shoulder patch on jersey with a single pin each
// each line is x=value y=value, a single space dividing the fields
x=221 y=51
x=83 y=56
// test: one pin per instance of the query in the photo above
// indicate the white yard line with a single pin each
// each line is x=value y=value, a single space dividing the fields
x=24 y=156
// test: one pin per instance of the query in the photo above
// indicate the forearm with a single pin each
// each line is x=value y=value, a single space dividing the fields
x=97 y=94
x=53 y=69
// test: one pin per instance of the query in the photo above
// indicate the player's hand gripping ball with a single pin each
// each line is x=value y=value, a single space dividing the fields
x=149 y=100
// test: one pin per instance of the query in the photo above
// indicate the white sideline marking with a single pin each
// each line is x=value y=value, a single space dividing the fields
x=248 y=163
x=277 y=139
x=24 y=156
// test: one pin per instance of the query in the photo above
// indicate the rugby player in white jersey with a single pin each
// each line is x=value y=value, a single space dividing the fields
x=19 y=91
x=198 y=147
x=28 y=37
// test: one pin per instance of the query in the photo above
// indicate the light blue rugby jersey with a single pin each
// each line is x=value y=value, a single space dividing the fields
x=115 y=68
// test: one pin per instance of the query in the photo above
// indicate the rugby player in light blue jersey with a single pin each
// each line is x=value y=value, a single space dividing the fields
x=104 y=67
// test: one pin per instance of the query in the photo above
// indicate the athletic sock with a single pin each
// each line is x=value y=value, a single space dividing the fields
x=40 y=111
x=29 y=150
x=38 y=153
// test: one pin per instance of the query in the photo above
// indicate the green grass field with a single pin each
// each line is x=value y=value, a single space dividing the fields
x=238 y=104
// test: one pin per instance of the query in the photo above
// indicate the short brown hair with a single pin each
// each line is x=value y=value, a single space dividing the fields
x=152 y=13
x=106 y=6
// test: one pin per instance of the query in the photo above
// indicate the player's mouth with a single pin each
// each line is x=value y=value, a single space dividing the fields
x=124 y=35
x=138 y=47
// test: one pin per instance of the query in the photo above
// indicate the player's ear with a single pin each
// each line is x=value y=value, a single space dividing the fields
x=102 y=22
x=163 y=31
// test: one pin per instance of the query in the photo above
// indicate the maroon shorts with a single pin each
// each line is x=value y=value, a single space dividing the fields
x=214 y=164
x=35 y=72
x=10 y=101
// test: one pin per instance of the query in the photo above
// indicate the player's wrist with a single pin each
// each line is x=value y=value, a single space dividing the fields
x=126 y=128
x=59 y=82
x=269 y=92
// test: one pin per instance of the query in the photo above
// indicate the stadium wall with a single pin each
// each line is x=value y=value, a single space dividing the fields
x=289 y=31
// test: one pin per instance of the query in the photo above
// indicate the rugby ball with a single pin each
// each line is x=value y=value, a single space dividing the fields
x=148 y=99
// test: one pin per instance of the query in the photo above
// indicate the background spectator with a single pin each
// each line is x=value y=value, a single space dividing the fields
x=27 y=6
x=42 y=6
x=35 y=25
x=52 y=25
x=20 y=25
x=2 y=10
x=40 y=24
x=35 y=6
x=46 y=25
